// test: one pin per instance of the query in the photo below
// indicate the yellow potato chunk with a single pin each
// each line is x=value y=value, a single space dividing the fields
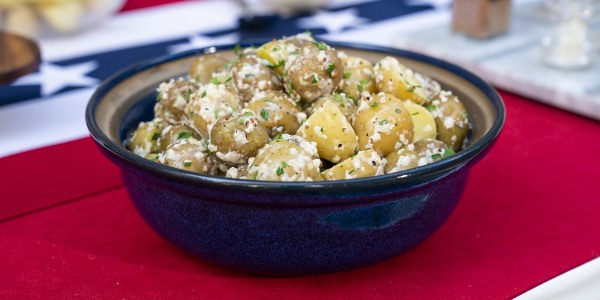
x=364 y=164
x=424 y=124
x=382 y=123
x=331 y=131
x=396 y=79
x=276 y=52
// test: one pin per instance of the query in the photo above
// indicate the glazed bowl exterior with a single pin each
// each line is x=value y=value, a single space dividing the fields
x=294 y=228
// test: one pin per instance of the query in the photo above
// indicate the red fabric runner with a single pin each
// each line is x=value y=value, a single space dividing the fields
x=529 y=213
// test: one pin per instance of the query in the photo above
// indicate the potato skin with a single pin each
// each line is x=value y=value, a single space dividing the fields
x=238 y=137
x=190 y=155
x=400 y=160
x=331 y=131
x=430 y=86
x=364 y=164
x=345 y=104
x=145 y=137
x=277 y=51
x=205 y=66
x=250 y=76
x=396 y=79
x=173 y=133
x=208 y=104
x=172 y=99
x=382 y=123
x=431 y=150
x=358 y=77
x=277 y=112
x=451 y=119
x=284 y=159
x=314 y=71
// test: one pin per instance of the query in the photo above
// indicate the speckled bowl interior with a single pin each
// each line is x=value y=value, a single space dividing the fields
x=290 y=228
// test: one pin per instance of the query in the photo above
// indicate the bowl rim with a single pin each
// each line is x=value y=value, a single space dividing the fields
x=407 y=178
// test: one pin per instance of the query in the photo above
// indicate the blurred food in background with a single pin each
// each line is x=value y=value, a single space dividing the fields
x=35 y=18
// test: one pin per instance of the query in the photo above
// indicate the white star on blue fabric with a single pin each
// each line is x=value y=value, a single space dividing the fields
x=52 y=78
x=436 y=4
x=202 y=41
x=333 y=21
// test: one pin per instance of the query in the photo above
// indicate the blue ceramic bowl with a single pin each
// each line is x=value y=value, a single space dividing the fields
x=290 y=229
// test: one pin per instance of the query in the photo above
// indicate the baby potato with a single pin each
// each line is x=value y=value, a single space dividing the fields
x=208 y=104
x=396 y=79
x=382 y=123
x=174 y=133
x=331 y=131
x=364 y=164
x=431 y=150
x=145 y=138
x=424 y=124
x=400 y=160
x=358 y=78
x=205 y=66
x=289 y=158
x=251 y=76
x=451 y=119
x=430 y=86
x=238 y=137
x=278 y=112
x=344 y=103
x=172 y=99
x=276 y=52
x=314 y=71
x=190 y=155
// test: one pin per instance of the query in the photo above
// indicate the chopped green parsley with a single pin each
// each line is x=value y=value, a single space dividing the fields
x=321 y=45
x=264 y=114
x=448 y=152
x=315 y=79
x=330 y=68
x=184 y=135
x=237 y=50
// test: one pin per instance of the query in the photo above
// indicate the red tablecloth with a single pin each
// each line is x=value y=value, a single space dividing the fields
x=529 y=213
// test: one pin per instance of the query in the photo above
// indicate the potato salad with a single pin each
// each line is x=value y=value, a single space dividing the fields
x=296 y=109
